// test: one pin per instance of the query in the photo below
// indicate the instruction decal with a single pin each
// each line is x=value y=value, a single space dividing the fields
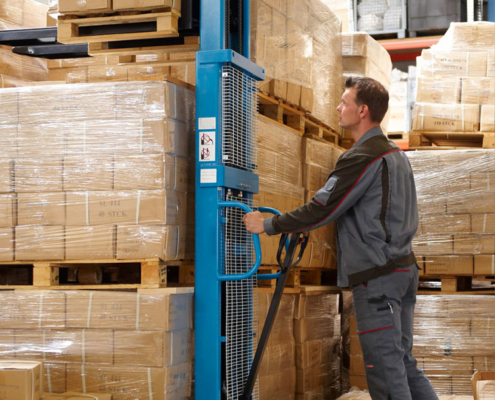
x=208 y=176
x=207 y=141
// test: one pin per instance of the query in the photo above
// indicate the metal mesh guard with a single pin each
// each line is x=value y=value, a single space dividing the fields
x=239 y=121
x=241 y=303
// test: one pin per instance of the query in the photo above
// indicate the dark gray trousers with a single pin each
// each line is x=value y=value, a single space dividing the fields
x=384 y=309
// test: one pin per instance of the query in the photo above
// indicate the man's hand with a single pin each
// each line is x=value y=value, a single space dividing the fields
x=254 y=222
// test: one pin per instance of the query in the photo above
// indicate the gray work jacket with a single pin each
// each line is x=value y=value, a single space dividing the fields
x=372 y=197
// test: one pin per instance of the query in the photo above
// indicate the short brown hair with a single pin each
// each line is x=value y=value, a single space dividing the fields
x=372 y=93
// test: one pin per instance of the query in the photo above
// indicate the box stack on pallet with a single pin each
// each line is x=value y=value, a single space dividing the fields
x=343 y=10
x=16 y=70
x=364 y=56
x=456 y=203
x=128 y=345
x=453 y=338
x=96 y=172
x=455 y=102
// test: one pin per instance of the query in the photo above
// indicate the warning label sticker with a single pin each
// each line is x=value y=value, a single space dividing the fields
x=208 y=176
x=207 y=145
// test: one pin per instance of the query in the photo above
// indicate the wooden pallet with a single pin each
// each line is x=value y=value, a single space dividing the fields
x=299 y=276
x=120 y=274
x=450 y=141
x=191 y=43
x=446 y=284
x=295 y=118
x=120 y=27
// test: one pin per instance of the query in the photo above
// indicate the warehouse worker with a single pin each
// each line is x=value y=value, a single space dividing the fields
x=372 y=197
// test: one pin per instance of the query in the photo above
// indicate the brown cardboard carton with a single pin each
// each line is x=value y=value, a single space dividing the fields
x=118 y=310
x=472 y=203
x=77 y=396
x=69 y=75
x=359 y=382
x=491 y=64
x=433 y=244
x=312 y=306
x=453 y=265
x=445 y=223
x=6 y=244
x=84 y=7
x=307 y=329
x=293 y=93
x=355 y=346
x=314 y=177
x=153 y=348
x=484 y=363
x=6 y=176
x=452 y=63
x=317 y=352
x=482 y=327
x=487 y=118
x=21 y=380
x=278 y=383
x=107 y=74
x=167 y=242
x=9 y=149
x=89 y=242
x=7 y=210
x=483 y=223
x=277 y=357
x=446 y=117
x=314 y=377
x=484 y=264
x=453 y=366
x=33 y=310
x=147 y=73
x=433 y=90
x=38 y=175
x=478 y=379
x=39 y=242
x=41 y=208
x=483 y=182
x=129 y=383
x=478 y=91
x=54 y=377
x=45 y=138
x=357 y=365
x=11 y=10
x=145 y=4
x=474 y=244
x=88 y=173
x=307 y=99
x=9 y=113
x=7 y=343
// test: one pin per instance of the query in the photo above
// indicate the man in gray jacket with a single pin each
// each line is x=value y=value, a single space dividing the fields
x=372 y=197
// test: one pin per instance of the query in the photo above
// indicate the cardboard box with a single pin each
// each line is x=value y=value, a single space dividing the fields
x=445 y=223
x=433 y=245
x=6 y=176
x=278 y=383
x=283 y=326
x=167 y=242
x=107 y=74
x=357 y=365
x=38 y=175
x=314 y=177
x=90 y=242
x=314 y=306
x=313 y=377
x=307 y=98
x=7 y=210
x=293 y=94
x=474 y=244
x=319 y=153
x=487 y=118
x=9 y=148
x=153 y=348
x=41 y=208
x=21 y=380
x=491 y=64
x=318 y=352
x=145 y=4
x=484 y=264
x=277 y=357
x=111 y=310
x=39 y=242
x=483 y=182
x=478 y=91
x=483 y=223
x=88 y=173
x=33 y=310
x=483 y=385
x=446 y=117
x=69 y=75
x=76 y=396
x=484 y=363
x=472 y=203
x=132 y=382
x=9 y=113
x=126 y=207
x=359 y=382
x=84 y=7
x=6 y=244
x=46 y=139
x=307 y=329
x=452 y=63
x=54 y=377
x=433 y=90
x=453 y=265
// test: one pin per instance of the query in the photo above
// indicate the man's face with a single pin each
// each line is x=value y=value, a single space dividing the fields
x=349 y=110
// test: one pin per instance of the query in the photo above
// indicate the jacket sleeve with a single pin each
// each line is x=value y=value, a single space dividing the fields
x=345 y=186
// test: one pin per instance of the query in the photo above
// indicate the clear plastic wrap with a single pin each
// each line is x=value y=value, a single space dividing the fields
x=398 y=102
x=131 y=345
x=96 y=172
x=343 y=10
x=468 y=36
x=432 y=90
x=19 y=14
x=446 y=117
x=299 y=41
x=77 y=7
x=456 y=205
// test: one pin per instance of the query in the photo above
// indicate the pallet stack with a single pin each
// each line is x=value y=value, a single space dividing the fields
x=453 y=338
x=456 y=202
x=97 y=171
x=129 y=345
x=455 y=101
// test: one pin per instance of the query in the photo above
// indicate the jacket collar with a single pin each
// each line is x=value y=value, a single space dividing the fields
x=368 y=135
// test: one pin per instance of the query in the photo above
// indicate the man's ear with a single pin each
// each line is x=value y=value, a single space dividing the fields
x=364 y=111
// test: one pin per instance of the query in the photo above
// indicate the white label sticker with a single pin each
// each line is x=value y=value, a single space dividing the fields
x=207 y=123
x=208 y=176
x=207 y=145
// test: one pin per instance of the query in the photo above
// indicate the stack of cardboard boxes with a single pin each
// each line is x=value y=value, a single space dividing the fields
x=96 y=172
x=456 y=82
x=130 y=345
x=364 y=56
x=16 y=70
x=74 y=7
x=452 y=339
x=299 y=42
x=456 y=202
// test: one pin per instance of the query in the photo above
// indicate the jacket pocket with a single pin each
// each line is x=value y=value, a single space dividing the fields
x=324 y=193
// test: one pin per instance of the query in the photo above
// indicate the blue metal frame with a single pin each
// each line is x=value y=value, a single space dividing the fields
x=491 y=10
x=211 y=192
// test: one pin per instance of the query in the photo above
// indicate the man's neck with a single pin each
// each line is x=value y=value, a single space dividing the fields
x=362 y=129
